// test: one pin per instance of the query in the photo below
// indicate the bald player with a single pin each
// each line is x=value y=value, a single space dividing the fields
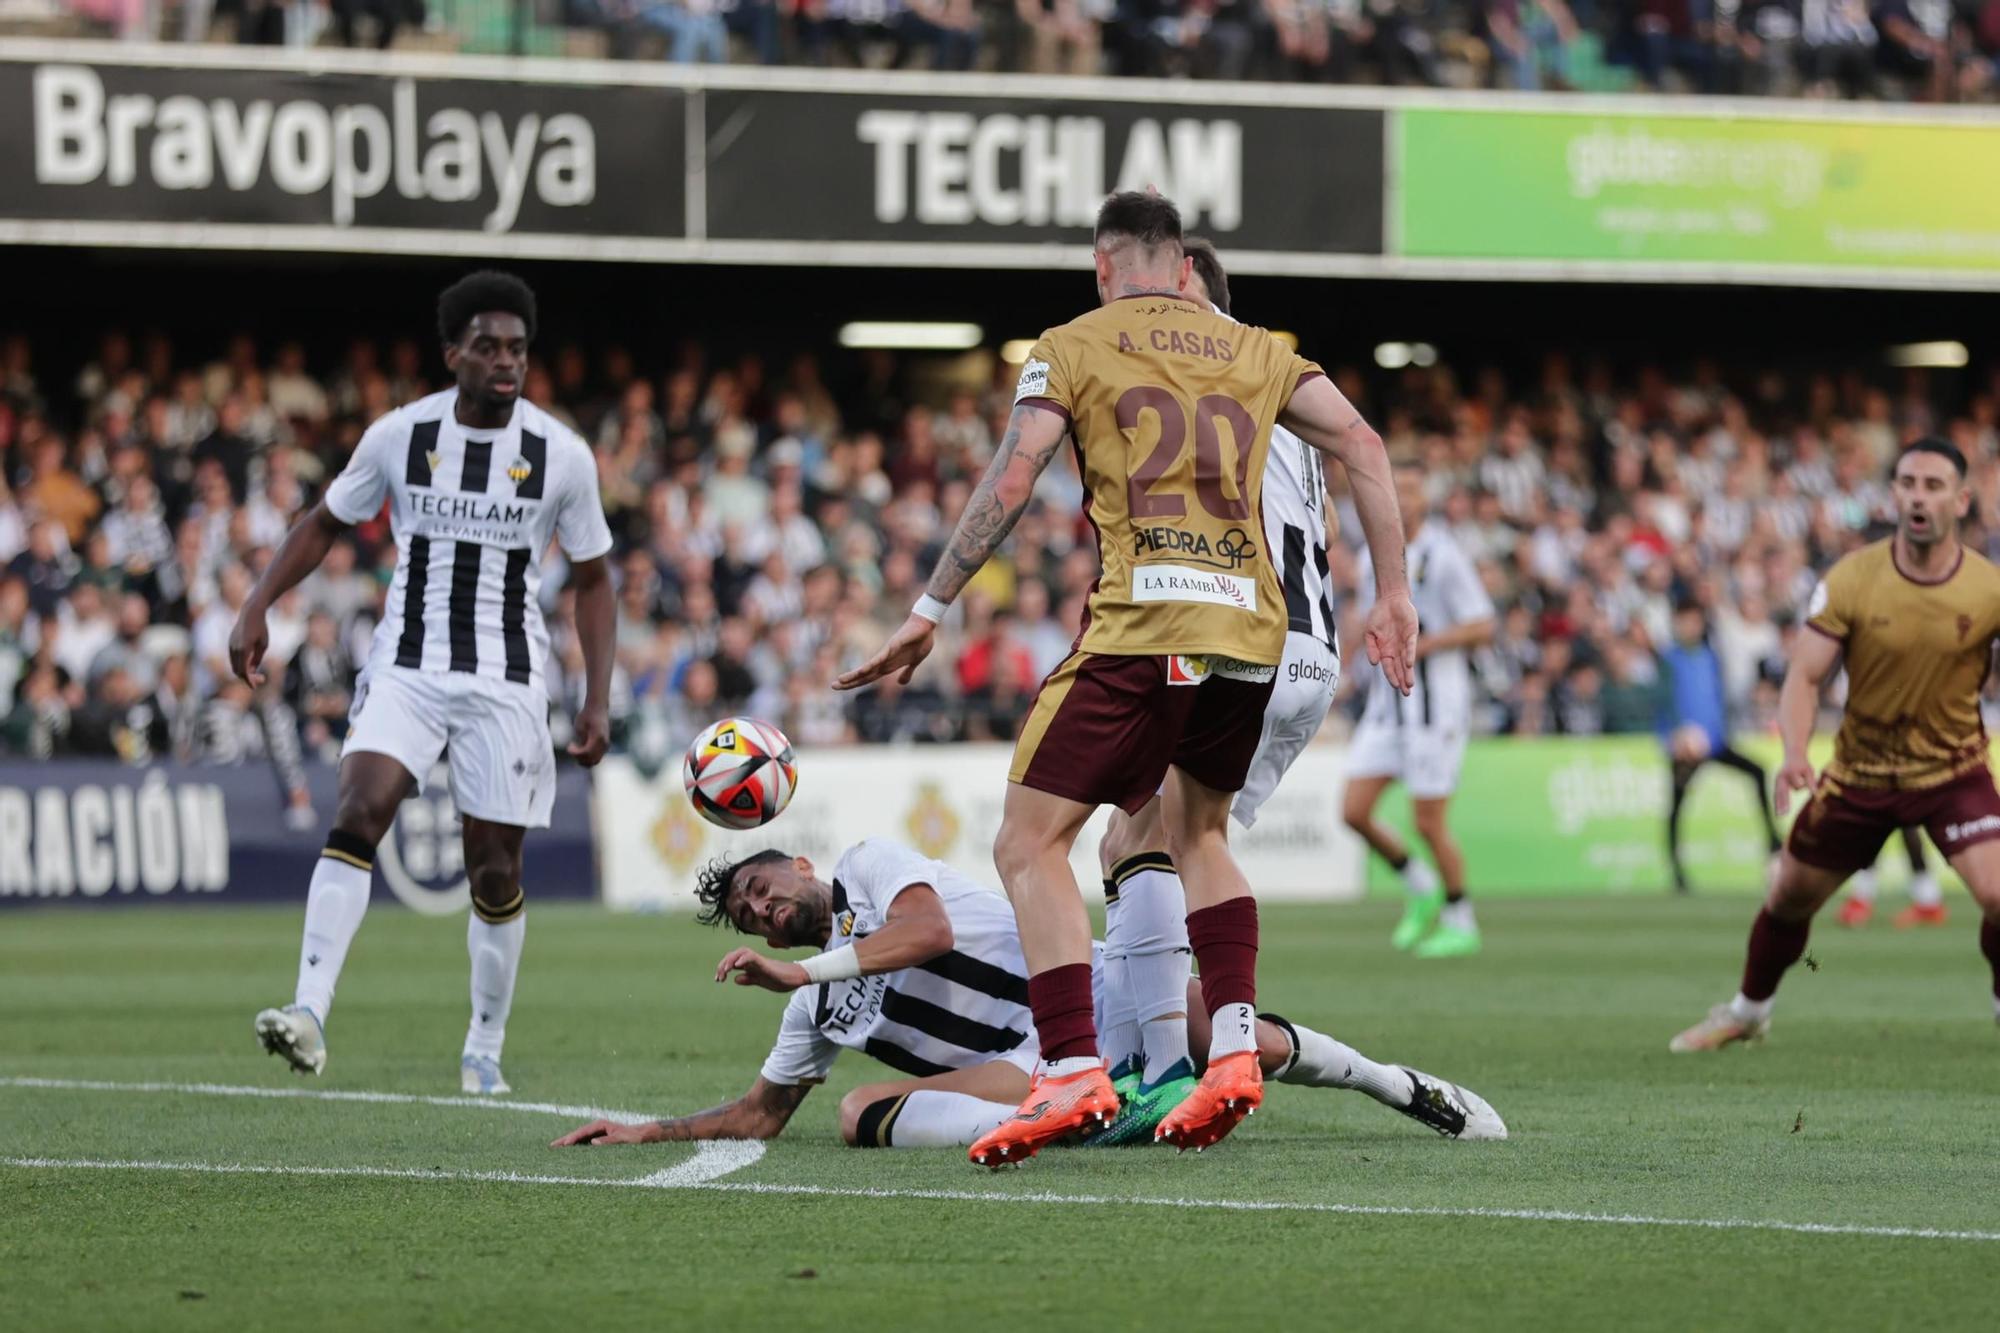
x=1916 y=617
x=1170 y=407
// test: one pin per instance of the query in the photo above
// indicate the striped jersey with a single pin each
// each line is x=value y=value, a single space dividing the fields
x=472 y=512
x=962 y=1008
x=1447 y=592
x=1294 y=504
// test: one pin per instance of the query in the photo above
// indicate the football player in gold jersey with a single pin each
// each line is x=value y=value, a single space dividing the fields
x=1914 y=618
x=1170 y=407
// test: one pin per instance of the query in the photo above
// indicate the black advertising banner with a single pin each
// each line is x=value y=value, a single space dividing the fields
x=881 y=166
x=93 y=833
x=128 y=143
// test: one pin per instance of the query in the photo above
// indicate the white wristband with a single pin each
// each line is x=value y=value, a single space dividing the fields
x=834 y=965
x=930 y=608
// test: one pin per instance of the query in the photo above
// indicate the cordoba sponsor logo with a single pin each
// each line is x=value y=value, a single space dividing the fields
x=350 y=152
x=1178 y=583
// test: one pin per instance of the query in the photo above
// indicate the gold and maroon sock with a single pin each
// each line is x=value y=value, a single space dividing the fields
x=1224 y=940
x=1060 y=998
x=1775 y=944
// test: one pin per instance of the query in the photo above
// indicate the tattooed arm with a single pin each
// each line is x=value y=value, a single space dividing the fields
x=1320 y=415
x=760 y=1113
x=1033 y=436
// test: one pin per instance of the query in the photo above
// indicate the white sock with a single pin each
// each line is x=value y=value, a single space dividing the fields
x=1166 y=1044
x=1074 y=1064
x=1925 y=891
x=496 y=960
x=1158 y=963
x=1863 y=883
x=1323 y=1062
x=1458 y=915
x=1746 y=1010
x=335 y=904
x=1120 y=1039
x=1418 y=877
x=1234 y=1029
x=931 y=1119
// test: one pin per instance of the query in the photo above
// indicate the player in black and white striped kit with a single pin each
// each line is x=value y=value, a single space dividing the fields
x=1420 y=740
x=478 y=483
x=921 y=968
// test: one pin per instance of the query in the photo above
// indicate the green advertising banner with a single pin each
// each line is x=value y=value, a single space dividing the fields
x=1830 y=194
x=1588 y=815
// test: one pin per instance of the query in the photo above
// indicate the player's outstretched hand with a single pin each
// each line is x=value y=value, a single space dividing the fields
x=593 y=735
x=1795 y=774
x=247 y=643
x=1391 y=638
x=906 y=648
x=599 y=1133
x=754 y=969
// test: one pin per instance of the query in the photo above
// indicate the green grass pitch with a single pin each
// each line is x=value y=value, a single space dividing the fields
x=1869 y=1114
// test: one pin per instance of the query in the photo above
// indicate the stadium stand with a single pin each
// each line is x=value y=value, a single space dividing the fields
x=1924 y=50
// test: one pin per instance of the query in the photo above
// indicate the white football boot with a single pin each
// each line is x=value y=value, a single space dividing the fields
x=1455 y=1112
x=480 y=1075
x=295 y=1033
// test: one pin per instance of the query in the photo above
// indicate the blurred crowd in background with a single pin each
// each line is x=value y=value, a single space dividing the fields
x=1927 y=50
x=776 y=520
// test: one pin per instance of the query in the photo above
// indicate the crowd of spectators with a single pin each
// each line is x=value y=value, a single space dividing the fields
x=1931 y=50
x=775 y=522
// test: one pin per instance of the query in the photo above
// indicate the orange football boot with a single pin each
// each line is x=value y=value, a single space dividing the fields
x=1055 y=1108
x=1920 y=914
x=1856 y=912
x=1232 y=1088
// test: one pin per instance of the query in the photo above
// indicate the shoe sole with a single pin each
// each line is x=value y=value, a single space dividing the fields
x=1206 y=1133
x=278 y=1040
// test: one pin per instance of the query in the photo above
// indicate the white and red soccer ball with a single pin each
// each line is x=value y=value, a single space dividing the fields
x=740 y=773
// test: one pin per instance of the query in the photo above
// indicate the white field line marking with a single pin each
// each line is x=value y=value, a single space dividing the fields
x=717 y=1158
x=711 y=1160
x=656 y=1181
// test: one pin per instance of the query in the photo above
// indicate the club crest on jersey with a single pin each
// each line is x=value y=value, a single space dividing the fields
x=433 y=457
x=846 y=924
x=1187 y=670
x=1964 y=627
x=520 y=470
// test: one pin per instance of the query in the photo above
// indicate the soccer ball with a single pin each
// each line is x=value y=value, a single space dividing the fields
x=740 y=773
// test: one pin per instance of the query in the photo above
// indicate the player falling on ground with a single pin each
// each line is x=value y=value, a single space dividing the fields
x=921 y=968
x=1916 y=617
x=1170 y=406
x=1926 y=894
x=478 y=483
x=1419 y=739
x=1146 y=953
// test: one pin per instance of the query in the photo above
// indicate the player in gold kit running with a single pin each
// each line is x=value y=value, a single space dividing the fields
x=1916 y=617
x=1170 y=406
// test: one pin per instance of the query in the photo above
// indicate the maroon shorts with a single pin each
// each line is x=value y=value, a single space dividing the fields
x=1104 y=729
x=1843 y=828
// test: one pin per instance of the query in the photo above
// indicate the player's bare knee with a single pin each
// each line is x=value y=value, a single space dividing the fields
x=497 y=895
x=366 y=815
x=851 y=1107
x=1014 y=851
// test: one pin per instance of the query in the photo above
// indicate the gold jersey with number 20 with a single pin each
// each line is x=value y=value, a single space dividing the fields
x=1170 y=406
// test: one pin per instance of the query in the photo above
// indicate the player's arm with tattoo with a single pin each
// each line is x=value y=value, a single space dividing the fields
x=761 y=1113
x=1034 y=434
x=1320 y=415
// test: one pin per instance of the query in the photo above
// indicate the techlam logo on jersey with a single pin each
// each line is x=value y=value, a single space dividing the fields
x=1178 y=583
x=348 y=151
x=954 y=168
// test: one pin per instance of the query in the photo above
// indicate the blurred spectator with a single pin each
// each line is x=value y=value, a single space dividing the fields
x=1694 y=727
x=1064 y=36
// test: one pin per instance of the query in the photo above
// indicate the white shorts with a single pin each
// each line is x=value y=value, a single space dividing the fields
x=1306 y=681
x=494 y=732
x=1426 y=760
